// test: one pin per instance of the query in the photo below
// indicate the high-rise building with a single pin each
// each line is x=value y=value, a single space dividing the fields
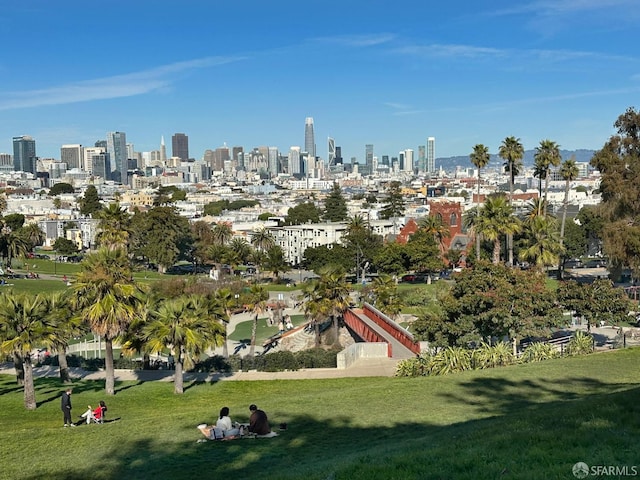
x=117 y=149
x=332 y=151
x=339 y=160
x=6 y=162
x=408 y=160
x=309 y=139
x=431 y=155
x=422 y=158
x=294 y=161
x=89 y=160
x=180 y=146
x=368 y=160
x=220 y=155
x=24 y=154
x=72 y=156
x=272 y=162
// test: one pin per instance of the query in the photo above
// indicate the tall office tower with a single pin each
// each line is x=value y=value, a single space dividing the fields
x=6 y=162
x=408 y=160
x=24 y=154
x=101 y=143
x=88 y=158
x=117 y=149
x=401 y=161
x=131 y=151
x=220 y=156
x=309 y=140
x=431 y=155
x=272 y=162
x=180 y=146
x=368 y=159
x=339 y=156
x=332 y=151
x=422 y=158
x=236 y=154
x=208 y=158
x=294 y=161
x=385 y=160
x=72 y=156
x=163 y=152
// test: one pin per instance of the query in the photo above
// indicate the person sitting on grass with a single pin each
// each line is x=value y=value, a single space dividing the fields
x=258 y=422
x=96 y=413
x=224 y=429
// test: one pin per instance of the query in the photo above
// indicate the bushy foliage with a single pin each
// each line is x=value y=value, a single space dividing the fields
x=414 y=367
x=215 y=363
x=285 y=360
x=539 y=351
x=450 y=360
x=580 y=344
x=490 y=356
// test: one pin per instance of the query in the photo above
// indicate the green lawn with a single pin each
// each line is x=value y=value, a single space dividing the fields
x=530 y=421
x=242 y=332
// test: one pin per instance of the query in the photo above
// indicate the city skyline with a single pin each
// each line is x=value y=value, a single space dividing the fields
x=367 y=73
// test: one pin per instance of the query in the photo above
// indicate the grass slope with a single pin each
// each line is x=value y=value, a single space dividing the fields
x=530 y=421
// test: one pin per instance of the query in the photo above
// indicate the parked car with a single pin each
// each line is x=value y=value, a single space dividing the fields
x=409 y=278
x=596 y=263
x=575 y=263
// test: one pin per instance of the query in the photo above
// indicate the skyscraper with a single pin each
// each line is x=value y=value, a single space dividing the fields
x=309 y=140
x=422 y=158
x=272 y=162
x=294 y=161
x=332 y=151
x=368 y=160
x=408 y=160
x=431 y=155
x=72 y=156
x=163 y=152
x=24 y=154
x=180 y=146
x=117 y=149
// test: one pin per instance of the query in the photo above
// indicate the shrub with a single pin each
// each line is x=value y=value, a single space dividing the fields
x=215 y=363
x=580 y=344
x=539 y=351
x=449 y=360
x=414 y=367
x=490 y=356
x=317 y=358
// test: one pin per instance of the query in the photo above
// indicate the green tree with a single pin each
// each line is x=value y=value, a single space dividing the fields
x=32 y=234
x=23 y=328
x=569 y=172
x=393 y=203
x=333 y=288
x=14 y=221
x=63 y=246
x=512 y=152
x=13 y=245
x=256 y=299
x=114 y=227
x=303 y=213
x=61 y=187
x=544 y=246
x=335 y=205
x=496 y=219
x=315 y=258
x=547 y=155
x=275 y=262
x=106 y=297
x=393 y=258
x=433 y=225
x=386 y=297
x=424 y=252
x=480 y=158
x=90 y=202
x=222 y=233
x=186 y=326
x=262 y=240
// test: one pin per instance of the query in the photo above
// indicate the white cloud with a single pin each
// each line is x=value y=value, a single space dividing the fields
x=451 y=51
x=117 y=86
x=356 y=40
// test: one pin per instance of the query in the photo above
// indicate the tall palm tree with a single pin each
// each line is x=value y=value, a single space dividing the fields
x=257 y=298
x=222 y=233
x=480 y=158
x=66 y=326
x=569 y=172
x=23 y=328
x=106 y=297
x=433 y=225
x=544 y=244
x=224 y=300
x=241 y=250
x=113 y=227
x=547 y=155
x=315 y=307
x=497 y=219
x=333 y=287
x=15 y=245
x=262 y=240
x=512 y=152
x=187 y=326
x=33 y=234
x=357 y=223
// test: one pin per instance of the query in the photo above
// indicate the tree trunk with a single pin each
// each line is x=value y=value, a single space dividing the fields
x=564 y=212
x=63 y=365
x=477 y=217
x=336 y=330
x=254 y=328
x=29 y=390
x=515 y=347
x=17 y=364
x=510 y=235
x=178 y=381
x=110 y=379
x=496 y=251
x=316 y=328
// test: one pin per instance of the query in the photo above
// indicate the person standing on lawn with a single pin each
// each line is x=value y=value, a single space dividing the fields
x=65 y=405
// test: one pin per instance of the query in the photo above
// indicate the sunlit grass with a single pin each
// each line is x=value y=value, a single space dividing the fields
x=527 y=421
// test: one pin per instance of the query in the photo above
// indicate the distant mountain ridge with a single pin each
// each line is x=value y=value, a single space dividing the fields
x=448 y=163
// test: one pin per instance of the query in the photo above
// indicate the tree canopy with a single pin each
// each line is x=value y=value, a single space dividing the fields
x=61 y=187
x=335 y=205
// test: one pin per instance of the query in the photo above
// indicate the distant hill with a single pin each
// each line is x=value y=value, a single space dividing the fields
x=449 y=163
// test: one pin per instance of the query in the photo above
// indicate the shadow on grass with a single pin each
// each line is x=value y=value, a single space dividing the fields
x=526 y=429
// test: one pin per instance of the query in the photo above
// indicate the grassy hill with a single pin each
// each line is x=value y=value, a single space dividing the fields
x=527 y=421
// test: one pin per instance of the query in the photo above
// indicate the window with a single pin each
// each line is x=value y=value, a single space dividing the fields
x=453 y=220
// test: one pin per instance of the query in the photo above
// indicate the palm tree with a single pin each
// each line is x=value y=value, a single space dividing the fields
x=187 y=326
x=224 y=299
x=333 y=288
x=480 y=158
x=357 y=223
x=547 y=155
x=66 y=326
x=257 y=302
x=106 y=297
x=222 y=233
x=544 y=243
x=241 y=249
x=496 y=219
x=433 y=225
x=262 y=240
x=15 y=245
x=315 y=307
x=569 y=172
x=113 y=227
x=512 y=152
x=386 y=298
x=24 y=327
x=33 y=234
x=3 y=203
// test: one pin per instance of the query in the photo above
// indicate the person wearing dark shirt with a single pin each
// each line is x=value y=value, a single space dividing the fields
x=258 y=422
x=65 y=405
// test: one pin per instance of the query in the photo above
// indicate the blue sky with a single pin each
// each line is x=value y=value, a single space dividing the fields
x=368 y=71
